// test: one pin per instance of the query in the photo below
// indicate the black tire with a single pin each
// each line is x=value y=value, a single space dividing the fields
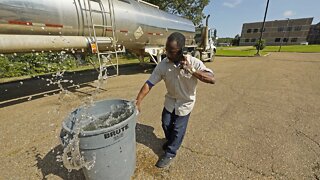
x=197 y=55
x=212 y=56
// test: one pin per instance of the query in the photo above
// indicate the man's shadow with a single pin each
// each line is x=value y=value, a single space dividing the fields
x=49 y=165
x=146 y=136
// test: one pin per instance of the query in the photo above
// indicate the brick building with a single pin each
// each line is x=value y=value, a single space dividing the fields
x=287 y=32
x=314 y=34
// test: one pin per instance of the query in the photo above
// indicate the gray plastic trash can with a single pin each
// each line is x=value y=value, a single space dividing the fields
x=113 y=147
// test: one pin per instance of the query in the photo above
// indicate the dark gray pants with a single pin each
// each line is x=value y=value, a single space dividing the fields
x=174 y=128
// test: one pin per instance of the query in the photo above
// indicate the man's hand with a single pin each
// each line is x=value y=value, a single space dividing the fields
x=143 y=92
x=203 y=76
x=184 y=64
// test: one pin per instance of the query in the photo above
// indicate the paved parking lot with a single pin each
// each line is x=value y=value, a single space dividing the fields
x=261 y=120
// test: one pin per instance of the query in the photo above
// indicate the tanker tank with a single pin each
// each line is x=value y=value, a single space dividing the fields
x=55 y=25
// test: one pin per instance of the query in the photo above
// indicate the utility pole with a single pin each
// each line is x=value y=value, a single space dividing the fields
x=289 y=29
x=284 y=35
x=262 y=29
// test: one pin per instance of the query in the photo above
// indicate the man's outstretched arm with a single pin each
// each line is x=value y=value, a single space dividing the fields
x=143 y=92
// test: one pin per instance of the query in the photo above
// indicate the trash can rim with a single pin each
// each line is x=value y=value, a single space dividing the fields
x=99 y=131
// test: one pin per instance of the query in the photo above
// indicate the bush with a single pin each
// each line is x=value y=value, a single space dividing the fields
x=35 y=63
x=260 y=45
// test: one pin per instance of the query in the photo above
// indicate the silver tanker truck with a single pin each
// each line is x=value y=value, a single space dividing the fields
x=95 y=26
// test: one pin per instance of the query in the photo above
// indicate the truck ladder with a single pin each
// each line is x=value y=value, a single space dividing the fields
x=105 y=55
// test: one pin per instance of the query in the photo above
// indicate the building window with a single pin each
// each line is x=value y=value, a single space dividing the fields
x=249 y=30
x=285 y=40
x=277 y=39
x=289 y=28
x=280 y=29
x=255 y=30
x=297 y=28
x=294 y=39
x=253 y=40
x=246 y=40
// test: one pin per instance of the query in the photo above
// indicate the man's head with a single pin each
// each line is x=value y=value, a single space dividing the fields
x=175 y=44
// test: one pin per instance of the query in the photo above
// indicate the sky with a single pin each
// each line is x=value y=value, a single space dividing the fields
x=227 y=16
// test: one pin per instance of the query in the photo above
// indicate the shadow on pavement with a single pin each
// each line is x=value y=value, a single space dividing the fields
x=49 y=165
x=20 y=91
x=37 y=96
x=146 y=136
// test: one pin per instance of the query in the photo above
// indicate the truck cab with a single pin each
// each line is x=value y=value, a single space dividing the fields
x=204 y=48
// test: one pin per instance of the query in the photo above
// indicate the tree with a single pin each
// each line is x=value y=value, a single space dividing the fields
x=225 y=40
x=260 y=45
x=191 y=9
x=236 y=40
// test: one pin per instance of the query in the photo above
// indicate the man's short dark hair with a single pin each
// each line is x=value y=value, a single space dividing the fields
x=179 y=38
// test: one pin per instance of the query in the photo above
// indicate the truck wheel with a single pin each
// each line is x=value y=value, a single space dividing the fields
x=197 y=55
x=212 y=56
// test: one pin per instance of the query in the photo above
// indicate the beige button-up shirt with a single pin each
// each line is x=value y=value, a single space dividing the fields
x=181 y=86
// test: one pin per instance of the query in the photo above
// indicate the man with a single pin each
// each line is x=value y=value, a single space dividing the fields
x=180 y=74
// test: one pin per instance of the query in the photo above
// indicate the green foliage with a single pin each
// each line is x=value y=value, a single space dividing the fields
x=224 y=40
x=34 y=63
x=260 y=45
x=191 y=9
x=215 y=33
x=236 y=40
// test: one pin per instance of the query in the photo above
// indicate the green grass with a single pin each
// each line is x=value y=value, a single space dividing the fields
x=295 y=48
x=244 y=52
x=248 y=51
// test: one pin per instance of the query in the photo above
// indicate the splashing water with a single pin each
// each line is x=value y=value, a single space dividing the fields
x=118 y=114
x=72 y=157
x=83 y=121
